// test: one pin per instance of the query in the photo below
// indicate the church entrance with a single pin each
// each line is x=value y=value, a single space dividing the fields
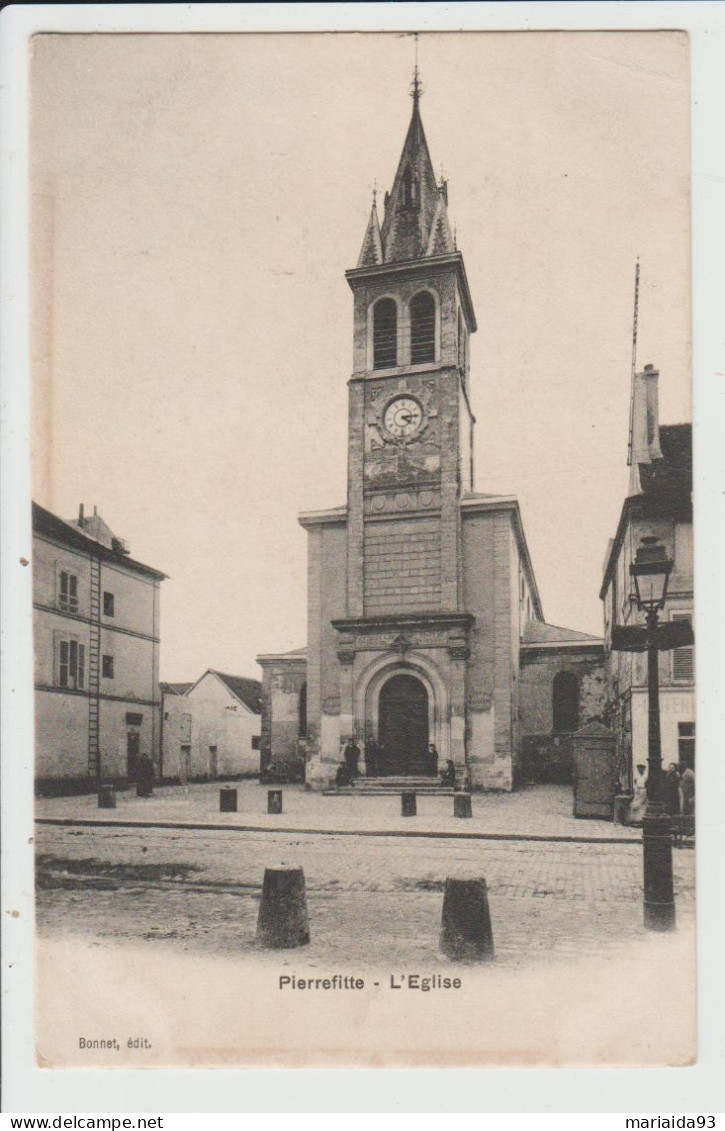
x=403 y=727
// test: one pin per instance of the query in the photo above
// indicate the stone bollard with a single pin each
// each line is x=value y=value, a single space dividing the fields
x=462 y=805
x=466 y=921
x=282 y=920
x=106 y=797
x=407 y=804
x=274 y=800
x=227 y=800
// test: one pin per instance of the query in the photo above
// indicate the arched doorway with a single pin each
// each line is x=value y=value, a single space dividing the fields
x=403 y=726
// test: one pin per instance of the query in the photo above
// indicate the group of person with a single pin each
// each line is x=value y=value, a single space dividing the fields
x=679 y=798
x=375 y=763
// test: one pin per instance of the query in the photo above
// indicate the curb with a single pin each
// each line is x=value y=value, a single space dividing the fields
x=408 y=833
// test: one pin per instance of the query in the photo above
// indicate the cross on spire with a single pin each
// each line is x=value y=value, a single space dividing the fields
x=416 y=87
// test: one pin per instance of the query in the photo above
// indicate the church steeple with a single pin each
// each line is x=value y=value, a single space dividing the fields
x=415 y=224
x=371 y=251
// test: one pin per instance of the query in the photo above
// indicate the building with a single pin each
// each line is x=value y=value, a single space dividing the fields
x=211 y=728
x=422 y=600
x=96 y=634
x=659 y=503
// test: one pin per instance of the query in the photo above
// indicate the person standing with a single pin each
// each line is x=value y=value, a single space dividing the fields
x=672 y=791
x=372 y=754
x=687 y=786
x=144 y=776
x=352 y=759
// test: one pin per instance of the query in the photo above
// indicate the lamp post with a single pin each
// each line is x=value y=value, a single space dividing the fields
x=651 y=571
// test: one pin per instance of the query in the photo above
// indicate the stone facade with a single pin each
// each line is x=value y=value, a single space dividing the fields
x=419 y=588
x=96 y=644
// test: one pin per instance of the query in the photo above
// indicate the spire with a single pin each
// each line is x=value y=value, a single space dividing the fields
x=371 y=251
x=415 y=195
x=441 y=241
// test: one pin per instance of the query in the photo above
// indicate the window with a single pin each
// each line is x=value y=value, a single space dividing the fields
x=408 y=188
x=107 y=667
x=683 y=659
x=108 y=604
x=68 y=592
x=256 y=739
x=422 y=328
x=385 y=334
x=71 y=664
x=565 y=702
x=686 y=743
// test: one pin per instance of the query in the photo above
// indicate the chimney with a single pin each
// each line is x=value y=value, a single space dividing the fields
x=80 y=515
x=645 y=424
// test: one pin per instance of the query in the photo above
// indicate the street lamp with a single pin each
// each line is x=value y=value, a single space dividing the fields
x=651 y=571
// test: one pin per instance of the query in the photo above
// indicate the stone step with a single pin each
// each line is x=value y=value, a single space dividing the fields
x=388 y=791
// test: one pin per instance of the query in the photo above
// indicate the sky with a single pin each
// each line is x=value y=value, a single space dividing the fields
x=196 y=200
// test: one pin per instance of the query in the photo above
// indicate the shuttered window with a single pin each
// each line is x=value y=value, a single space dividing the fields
x=683 y=659
x=71 y=664
x=422 y=328
x=385 y=334
x=68 y=591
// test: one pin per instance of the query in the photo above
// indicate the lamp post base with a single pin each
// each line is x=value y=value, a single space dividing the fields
x=659 y=897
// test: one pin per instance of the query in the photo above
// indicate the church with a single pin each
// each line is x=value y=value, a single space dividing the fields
x=426 y=633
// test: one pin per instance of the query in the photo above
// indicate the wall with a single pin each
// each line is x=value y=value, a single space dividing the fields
x=282 y=680
x=487 y=594
x=217 y=718
x=539 y=668
x=130 y=636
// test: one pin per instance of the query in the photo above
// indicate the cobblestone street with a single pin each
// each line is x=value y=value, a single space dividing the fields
x=368 y=897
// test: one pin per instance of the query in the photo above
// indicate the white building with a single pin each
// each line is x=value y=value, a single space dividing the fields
x=96 y=632
x=211 y=728
x=659 y=503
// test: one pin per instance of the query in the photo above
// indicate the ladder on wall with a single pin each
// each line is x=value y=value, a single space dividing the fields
x=94 y=680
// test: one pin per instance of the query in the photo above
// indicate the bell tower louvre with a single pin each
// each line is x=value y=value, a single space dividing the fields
x=419 y=588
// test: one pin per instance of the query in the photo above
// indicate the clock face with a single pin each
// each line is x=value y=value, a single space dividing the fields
x=403 y=417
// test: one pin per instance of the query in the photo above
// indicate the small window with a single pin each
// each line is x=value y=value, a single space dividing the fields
x=256 y=739
x=385 y=334
x=686 y=744
x=408 y=188
x=68 y=592
x=108 y=605
x=71 y=664
x=683 y=659
x=107 y=667
x=422 y=328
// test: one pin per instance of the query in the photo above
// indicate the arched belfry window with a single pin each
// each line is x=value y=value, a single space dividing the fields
x=565 y=702
x=408 y=186
x=422 y=328
x=385 y=334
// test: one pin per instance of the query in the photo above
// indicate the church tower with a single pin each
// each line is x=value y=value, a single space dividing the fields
x=416 y=586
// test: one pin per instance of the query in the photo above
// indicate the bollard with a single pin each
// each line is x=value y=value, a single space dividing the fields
x=407 y=804
x=274 y=800
x=466 y=921
x=282 y=920
x=462 y=805
x=227 y=800
x=106 y=797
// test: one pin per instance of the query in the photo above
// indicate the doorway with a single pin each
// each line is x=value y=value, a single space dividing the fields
x=132 y=753
x=403 y=727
